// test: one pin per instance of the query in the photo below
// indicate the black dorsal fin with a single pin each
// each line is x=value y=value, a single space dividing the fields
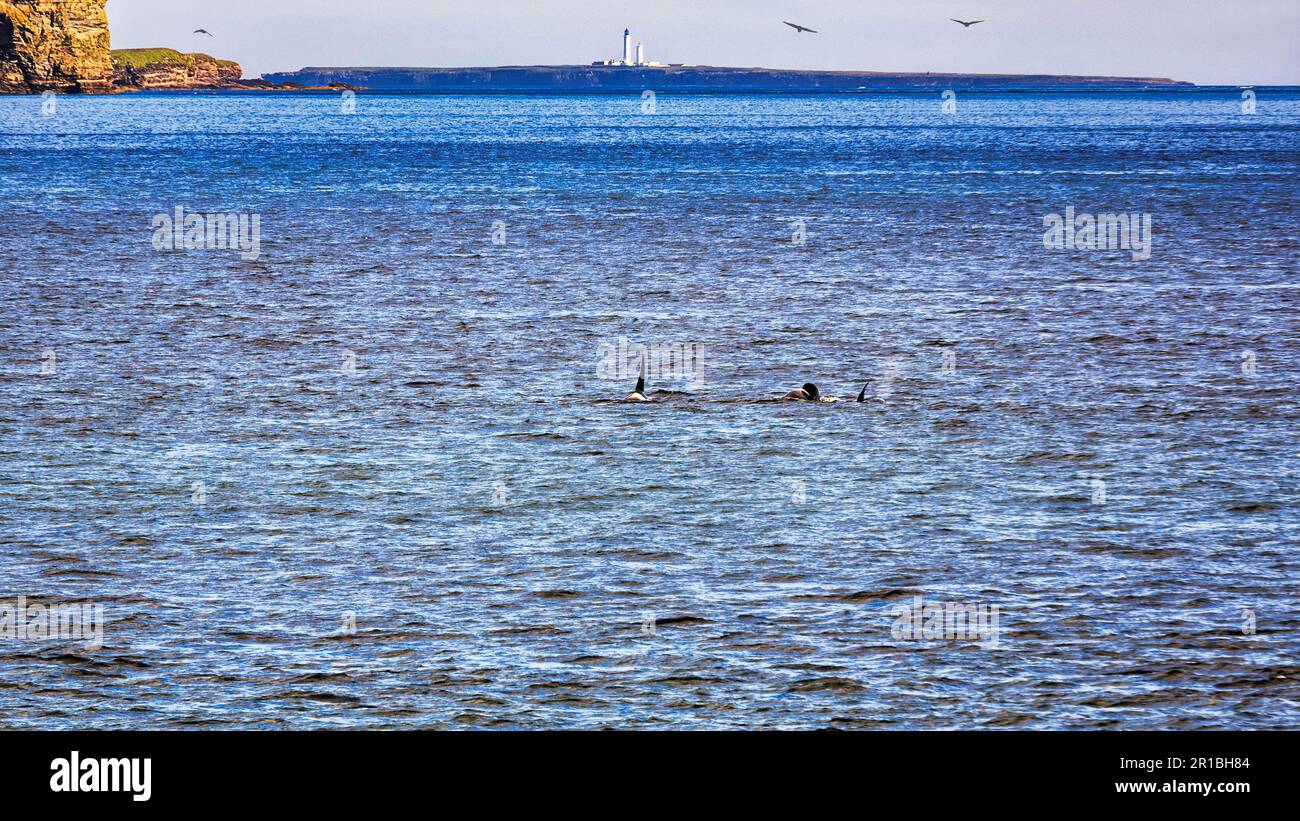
x=862 y=394
x=640 y=385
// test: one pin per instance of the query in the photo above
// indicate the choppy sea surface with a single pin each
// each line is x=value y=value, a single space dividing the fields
x=376 y=477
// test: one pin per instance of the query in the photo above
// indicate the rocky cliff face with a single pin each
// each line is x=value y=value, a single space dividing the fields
x=59 y=45
x=168 y=68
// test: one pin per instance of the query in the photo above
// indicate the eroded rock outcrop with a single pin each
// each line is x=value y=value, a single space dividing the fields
x=58 y=45
x=167 y=68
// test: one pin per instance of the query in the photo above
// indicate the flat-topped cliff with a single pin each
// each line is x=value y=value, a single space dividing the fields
x=167 y=68
x=682 y=78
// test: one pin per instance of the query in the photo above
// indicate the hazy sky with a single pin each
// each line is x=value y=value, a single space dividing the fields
x=1205 y=41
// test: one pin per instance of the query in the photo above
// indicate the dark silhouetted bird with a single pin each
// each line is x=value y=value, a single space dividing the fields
x=798 y=28
x=965 y=24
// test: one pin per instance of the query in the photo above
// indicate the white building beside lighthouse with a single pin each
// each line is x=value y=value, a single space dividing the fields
x=628 y=58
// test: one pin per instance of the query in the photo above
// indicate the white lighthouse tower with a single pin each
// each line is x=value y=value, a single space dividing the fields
x=640 y=54
x=627 y=47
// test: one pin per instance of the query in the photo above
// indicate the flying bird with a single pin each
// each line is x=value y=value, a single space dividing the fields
x=964 y=23
x=798 y=28
x=203 y=31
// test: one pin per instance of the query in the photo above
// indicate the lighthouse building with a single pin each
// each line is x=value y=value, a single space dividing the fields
x=629 y=57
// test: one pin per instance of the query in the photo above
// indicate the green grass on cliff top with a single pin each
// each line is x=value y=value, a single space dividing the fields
x=143 y=57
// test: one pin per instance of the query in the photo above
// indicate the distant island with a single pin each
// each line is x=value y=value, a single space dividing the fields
x=630 y=71
x=624 y=78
